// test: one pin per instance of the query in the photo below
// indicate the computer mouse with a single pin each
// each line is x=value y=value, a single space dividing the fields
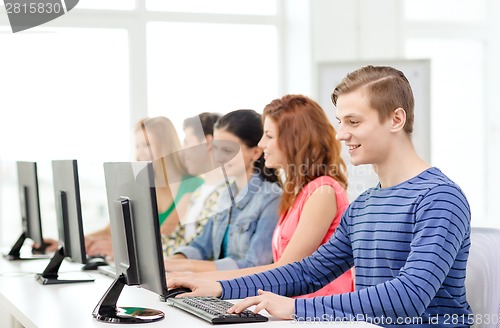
x=94 y=263
x=176 y=291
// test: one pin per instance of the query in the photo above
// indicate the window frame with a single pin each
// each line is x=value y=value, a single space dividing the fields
x=135 y=22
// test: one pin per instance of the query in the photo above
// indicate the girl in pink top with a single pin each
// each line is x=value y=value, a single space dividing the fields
x=300 y=143
x=288 y=223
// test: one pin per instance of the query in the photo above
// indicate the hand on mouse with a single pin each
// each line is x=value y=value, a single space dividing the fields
x=199 y=287
x=99 y=246
x=49 y=245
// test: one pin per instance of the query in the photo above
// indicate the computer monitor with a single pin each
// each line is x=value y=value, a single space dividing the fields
x=30 y=213
x=135 y=233
x=69 y=224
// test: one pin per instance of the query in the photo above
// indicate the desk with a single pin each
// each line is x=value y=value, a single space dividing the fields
x=70 y=305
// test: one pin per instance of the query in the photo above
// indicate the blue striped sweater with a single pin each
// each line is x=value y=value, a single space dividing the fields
x=409 y=245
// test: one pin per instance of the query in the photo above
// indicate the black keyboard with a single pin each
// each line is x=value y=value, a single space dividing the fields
x=214 y=310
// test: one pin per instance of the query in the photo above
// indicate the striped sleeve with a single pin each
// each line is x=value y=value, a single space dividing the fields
x=442 y=221
x=299 y=278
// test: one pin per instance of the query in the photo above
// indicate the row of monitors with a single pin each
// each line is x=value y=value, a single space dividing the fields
x=134 y=226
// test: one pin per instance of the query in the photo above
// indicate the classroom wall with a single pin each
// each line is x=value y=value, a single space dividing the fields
x=464 y=140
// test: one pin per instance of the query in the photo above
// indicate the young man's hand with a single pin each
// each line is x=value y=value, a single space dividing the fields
x=98 y=246
x=199 y=287
x=278 y=306
x=50 y=245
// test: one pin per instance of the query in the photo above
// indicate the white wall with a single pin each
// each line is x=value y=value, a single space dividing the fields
x=371 y=30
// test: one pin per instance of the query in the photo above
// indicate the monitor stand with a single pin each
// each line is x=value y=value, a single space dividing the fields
x=107 y=311
x=15 y=252
x=50 y=276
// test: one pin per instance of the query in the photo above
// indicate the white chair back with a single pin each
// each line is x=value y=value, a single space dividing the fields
x=482 y=281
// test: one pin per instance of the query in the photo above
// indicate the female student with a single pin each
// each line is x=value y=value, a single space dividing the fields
x=238 y=236
x=300 y=142
x=157 y=141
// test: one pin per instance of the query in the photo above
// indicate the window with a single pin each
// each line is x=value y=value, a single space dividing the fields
x=76 y=85
x=244 y=7
x=460 y=11
x=65 y=100
x=210 y=67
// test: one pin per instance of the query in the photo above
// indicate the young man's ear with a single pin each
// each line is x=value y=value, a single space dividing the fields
x=398 y=119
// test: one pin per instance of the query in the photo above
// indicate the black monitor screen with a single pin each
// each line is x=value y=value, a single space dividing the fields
x=30 y=202
x=69 y=209
x=69 y=224
x=136 y=238
x=31 y=220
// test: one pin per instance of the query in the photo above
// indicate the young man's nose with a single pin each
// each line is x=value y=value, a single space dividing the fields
x=341 y=134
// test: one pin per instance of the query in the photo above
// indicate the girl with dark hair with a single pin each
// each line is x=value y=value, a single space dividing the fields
x=299 y=141
x=238 y=236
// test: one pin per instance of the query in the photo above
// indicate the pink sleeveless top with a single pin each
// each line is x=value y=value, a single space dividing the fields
x=288 y=224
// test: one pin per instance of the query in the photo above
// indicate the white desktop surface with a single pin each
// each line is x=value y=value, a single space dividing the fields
x=71 y=305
